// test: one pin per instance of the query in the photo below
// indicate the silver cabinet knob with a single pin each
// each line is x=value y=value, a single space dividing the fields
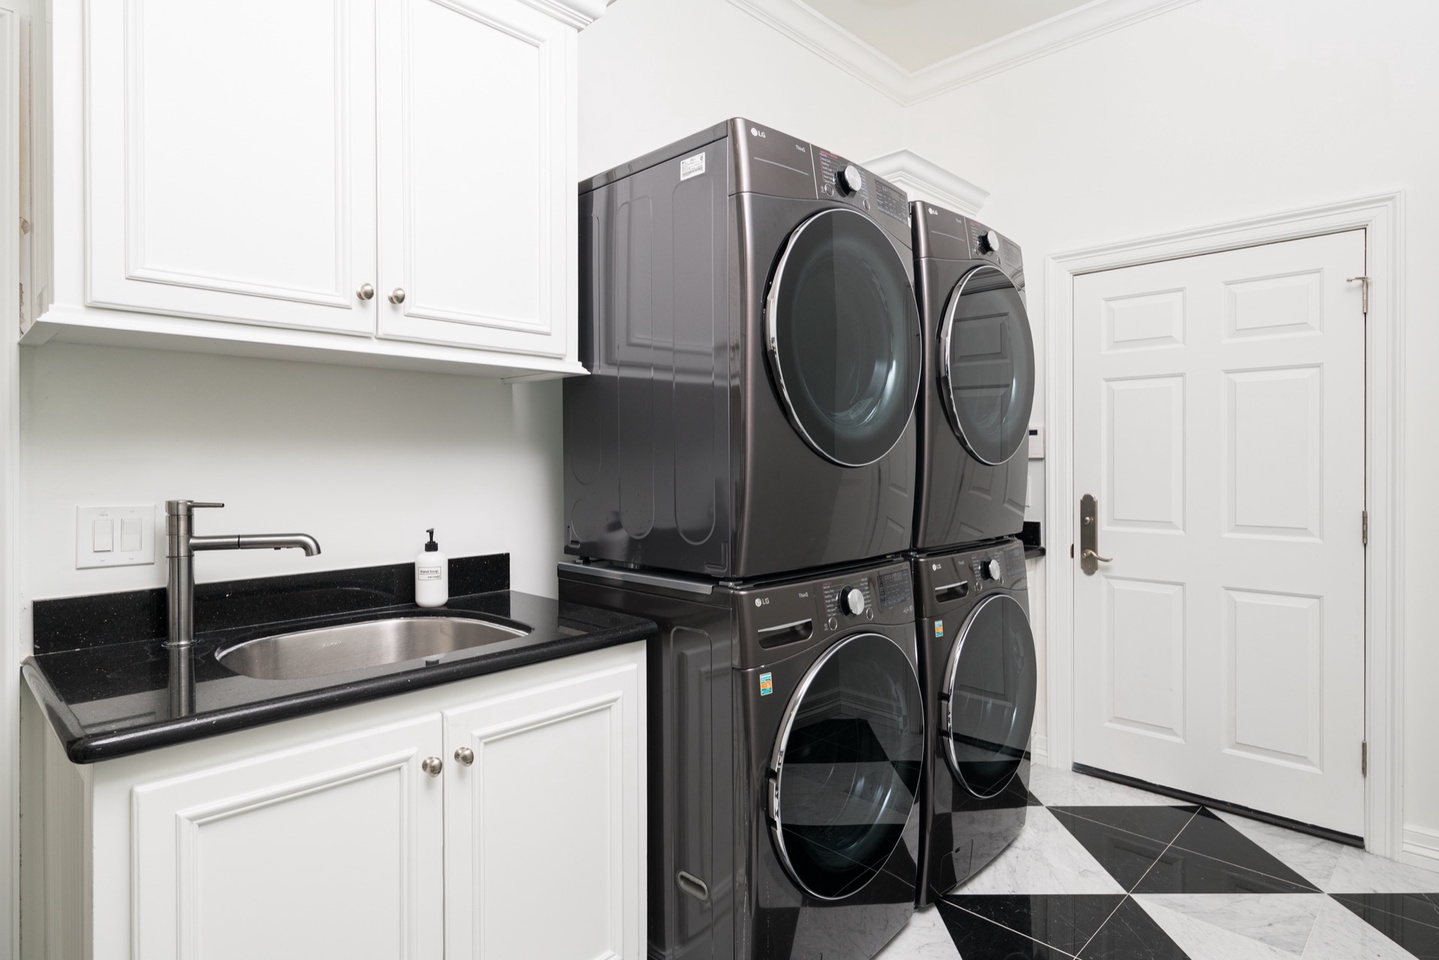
x=366 y=292
x=397 y=295
x=465 y=755
x=432 y=766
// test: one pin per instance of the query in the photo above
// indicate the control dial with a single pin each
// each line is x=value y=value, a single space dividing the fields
x=848 y=179
x=990 y=570
x=853 y=600
x=988 y=242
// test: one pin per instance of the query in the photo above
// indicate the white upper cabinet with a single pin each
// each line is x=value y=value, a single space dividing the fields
x=477 y=191
x=231 y=161
x=386 y=182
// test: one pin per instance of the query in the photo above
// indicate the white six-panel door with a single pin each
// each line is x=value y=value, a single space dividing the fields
x=1219 y=422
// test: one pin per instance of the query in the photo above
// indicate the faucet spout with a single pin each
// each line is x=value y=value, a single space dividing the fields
x=258 y=541
x=180 y=548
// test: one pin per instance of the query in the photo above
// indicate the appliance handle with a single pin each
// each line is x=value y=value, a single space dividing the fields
x=693 y=886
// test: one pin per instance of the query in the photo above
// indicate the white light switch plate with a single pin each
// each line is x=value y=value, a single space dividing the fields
x=98 y=527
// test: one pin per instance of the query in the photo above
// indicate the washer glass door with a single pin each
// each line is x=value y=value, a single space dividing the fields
x=843 y=336
x=989 y=695
x=845 y=768
x=987 y=365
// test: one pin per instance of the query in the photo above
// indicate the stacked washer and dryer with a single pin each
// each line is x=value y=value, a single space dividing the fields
x=976 y=650
x=744 y=466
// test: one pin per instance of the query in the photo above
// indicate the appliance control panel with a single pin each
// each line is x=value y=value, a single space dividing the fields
x=793 y=612
x=840 y=179
x=947 y=580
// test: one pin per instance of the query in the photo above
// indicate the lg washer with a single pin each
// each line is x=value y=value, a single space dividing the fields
x=785 y=754
x=977 y=667
x=748 y=319
x=978 y=391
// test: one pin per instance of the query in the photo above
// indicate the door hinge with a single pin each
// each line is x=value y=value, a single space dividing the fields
x=1365 y=295
x=1364 y=758
x=1364 y=526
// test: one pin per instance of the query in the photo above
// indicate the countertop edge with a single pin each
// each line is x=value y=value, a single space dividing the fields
x=84 y=748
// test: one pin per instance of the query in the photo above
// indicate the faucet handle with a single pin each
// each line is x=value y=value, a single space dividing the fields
x=178 y=508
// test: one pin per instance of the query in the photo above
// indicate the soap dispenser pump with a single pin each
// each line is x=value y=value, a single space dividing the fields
x=432 y=575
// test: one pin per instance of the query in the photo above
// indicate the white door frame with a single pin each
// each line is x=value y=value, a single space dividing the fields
x=1382 y=217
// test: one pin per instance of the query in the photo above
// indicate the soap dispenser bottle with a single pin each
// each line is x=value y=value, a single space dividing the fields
x=432 y=575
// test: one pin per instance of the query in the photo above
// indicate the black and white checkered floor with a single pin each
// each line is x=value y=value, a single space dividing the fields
x=1106 y=872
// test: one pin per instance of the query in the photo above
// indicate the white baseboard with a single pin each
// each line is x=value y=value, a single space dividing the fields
x=1421 y=848
x=1039 y=750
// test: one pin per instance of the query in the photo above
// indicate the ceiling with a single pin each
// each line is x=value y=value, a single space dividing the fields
x=920 y=33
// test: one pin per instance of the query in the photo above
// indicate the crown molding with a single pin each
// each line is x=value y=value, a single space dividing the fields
x=822 y=36
x=926 y=180
x=577 y=13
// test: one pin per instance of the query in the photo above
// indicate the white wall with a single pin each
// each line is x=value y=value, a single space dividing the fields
x=1221 y=110
x=363 y=460
x=653 y=71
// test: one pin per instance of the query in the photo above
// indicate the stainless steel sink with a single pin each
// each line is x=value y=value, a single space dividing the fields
x=351 y=646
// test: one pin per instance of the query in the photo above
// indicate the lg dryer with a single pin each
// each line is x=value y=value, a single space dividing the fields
x=786 y=740
x=977 y=667
x=979 y=381
x=749 y=324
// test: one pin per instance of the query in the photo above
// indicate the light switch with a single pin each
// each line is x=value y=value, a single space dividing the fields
x=114 y=536
x=103 y=536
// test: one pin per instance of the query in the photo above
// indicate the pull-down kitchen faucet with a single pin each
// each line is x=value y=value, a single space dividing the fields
x=180 y=547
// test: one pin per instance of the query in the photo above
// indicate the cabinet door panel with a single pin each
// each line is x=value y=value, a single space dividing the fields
x=231 y=166
x=549 y=809
x=330 y=850
x=476 y=179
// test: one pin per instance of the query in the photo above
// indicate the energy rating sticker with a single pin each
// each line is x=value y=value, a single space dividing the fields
x=939 y=628
x=766 y=685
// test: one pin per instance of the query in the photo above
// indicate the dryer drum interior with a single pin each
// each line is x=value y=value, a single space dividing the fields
x=987 y=365
x=990 y=689
x=846 y=766
x=843 y=337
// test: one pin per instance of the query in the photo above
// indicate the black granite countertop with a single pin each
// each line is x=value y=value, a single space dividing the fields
x=110 y=687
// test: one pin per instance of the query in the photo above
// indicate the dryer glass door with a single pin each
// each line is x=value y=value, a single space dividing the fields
x=845 y=768
x=989 y=690
x=843 y=337
x=987 y=365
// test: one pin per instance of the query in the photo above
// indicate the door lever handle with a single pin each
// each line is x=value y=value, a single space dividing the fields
x=1089 y=558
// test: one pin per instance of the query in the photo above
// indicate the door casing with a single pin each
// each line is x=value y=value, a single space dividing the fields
x=1382 y=218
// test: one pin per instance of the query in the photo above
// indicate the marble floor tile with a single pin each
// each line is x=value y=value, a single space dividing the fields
x=1126 y=856
x=1312 y=858
x=1131 y=934
x=925 y=937
x=1208 y=835
x=1360 y=872
x=1236 y=925
x=1044 y=858
x=1057 y=788
x=976 y=939
x=1340 y=935
x=1161 y=823
x=1183 y=871
x=1066 y=923
x=1417 y=907
x=1409 y=919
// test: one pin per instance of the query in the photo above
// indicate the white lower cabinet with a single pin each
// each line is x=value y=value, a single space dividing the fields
x=460 y=821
